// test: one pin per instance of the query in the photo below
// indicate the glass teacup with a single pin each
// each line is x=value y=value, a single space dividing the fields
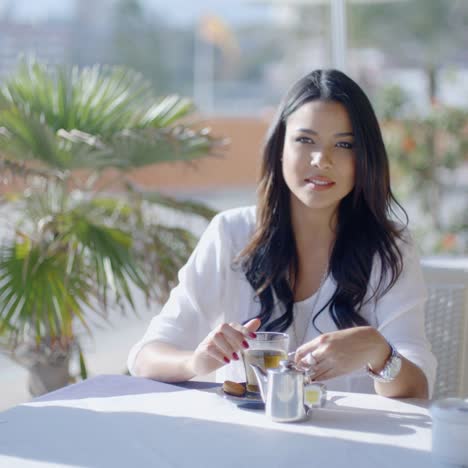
x=266 y=351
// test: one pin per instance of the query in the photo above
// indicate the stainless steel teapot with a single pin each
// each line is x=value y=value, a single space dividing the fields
x=286 y=392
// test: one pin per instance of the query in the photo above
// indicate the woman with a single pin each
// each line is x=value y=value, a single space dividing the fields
x=319 y=257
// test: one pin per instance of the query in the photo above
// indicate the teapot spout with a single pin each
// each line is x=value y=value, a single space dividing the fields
x=262 y=379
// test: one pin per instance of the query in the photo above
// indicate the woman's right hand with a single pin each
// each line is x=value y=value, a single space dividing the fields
x=221 y=345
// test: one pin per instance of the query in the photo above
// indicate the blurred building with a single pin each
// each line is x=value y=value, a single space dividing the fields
x=91 y=27
x=48 y=42
x=95 y=14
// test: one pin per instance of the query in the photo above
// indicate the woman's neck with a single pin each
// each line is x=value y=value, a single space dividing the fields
x=314 y=234
x=313 y=229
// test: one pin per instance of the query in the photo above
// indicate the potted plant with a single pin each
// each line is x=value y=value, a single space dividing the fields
x=76 y=251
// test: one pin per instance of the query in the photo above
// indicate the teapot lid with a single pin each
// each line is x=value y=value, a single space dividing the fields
x=286 y=367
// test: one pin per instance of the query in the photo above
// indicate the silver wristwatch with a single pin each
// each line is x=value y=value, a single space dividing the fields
x=391 y=368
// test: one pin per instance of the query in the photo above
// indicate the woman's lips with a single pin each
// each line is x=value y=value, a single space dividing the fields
x=319 y=183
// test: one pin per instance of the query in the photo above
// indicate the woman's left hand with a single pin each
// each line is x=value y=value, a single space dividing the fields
x=344 y=351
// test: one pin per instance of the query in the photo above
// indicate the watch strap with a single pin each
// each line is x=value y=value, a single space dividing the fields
x=390 y=370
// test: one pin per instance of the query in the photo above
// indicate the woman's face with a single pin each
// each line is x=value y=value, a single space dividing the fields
x=318 y=155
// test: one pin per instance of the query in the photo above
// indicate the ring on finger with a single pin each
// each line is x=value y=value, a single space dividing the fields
x=310 y=360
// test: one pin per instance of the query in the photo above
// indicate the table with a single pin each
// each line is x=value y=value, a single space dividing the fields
x=120 y=421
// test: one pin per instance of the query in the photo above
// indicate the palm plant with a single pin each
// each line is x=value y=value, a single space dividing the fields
x=76 y=252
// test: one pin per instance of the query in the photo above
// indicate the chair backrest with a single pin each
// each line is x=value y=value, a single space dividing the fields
x=447 y=328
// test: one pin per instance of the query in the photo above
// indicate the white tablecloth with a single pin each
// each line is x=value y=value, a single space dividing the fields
x=176 y=427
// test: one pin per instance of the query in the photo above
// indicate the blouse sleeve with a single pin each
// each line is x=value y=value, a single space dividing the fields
x=401 y=315
x=195 y=305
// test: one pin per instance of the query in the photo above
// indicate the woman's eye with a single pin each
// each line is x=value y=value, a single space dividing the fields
x=344 y=144
x=304 y=140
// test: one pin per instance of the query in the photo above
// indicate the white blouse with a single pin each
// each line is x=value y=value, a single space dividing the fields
x=212 y=290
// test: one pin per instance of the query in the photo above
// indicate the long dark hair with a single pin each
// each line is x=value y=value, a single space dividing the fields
x=364 y=226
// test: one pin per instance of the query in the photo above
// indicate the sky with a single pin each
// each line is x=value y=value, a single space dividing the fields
x=179 y=11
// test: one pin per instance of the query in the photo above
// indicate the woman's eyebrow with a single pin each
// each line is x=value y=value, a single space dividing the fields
x=313 y=132
x=307 y=130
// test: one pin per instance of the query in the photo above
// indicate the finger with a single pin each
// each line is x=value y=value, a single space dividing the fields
x=235 y=338
x=216 y=353
x=223 y=344
x=308 y=361
x=325 y=375
x=307 y=348
x=253 y=325
x=249 y=329
x=322 y=367
x=316 y=346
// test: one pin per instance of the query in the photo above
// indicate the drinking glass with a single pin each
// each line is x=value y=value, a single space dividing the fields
x=266 y=351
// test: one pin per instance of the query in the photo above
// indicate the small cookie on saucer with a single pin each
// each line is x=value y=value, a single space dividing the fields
x=233 y=388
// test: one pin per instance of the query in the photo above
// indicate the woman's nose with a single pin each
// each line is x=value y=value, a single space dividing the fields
x=320 y=159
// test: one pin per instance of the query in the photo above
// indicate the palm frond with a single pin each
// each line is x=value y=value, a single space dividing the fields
x=42 y=203
x=138 y=148
x=166 y=112
x=164 y=252
x=116 y=211
x=35 y=292
x=182 y=206
x=98 y=100
x=134 y=148
x=45 y=285
x=26 y=136
x=95 y=118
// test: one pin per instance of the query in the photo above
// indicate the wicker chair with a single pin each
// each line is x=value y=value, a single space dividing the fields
x=447 y=328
